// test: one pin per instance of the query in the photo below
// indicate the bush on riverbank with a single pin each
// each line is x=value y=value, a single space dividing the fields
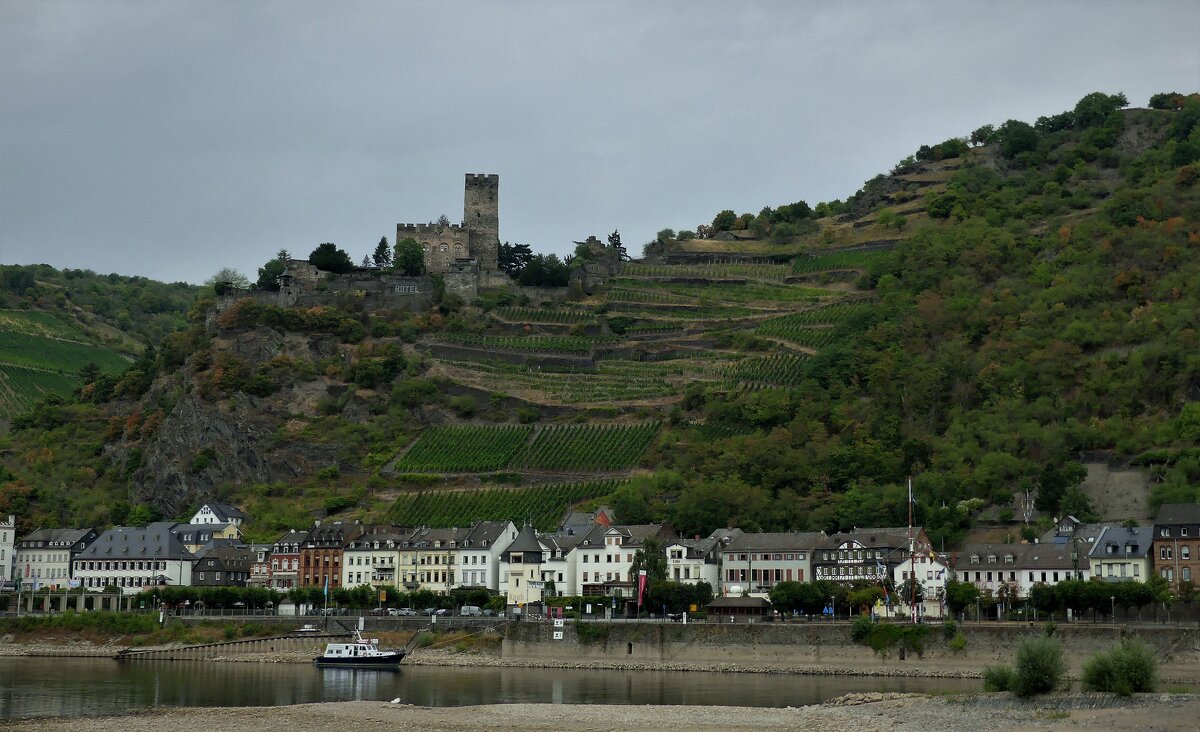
x=1126 y=669
x=884 y=637
x=134 y=629
x=1039 y=670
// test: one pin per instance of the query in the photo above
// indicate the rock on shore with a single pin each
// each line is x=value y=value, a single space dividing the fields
x=860 y=712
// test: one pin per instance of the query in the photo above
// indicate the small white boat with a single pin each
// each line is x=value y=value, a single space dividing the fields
x=361 y=653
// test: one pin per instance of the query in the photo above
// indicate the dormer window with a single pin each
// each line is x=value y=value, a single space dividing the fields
x=1008 y=559
x=974 y=559
x=991 y=559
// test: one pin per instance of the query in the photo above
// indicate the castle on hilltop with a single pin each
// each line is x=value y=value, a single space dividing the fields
x=450 y=247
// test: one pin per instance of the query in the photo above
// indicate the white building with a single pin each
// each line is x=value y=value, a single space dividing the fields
x=44 y=558
x=692 y=561
x=8 y=538
x=131 y=558
x=521 y=569
x=1013 y=569
x=218 y=513
x=479 y=553
x=604 y=555
x=372 y=559
x=931 y=573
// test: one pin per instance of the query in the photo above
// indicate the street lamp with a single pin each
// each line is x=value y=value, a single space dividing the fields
x=1114 y=609
x=833 y=605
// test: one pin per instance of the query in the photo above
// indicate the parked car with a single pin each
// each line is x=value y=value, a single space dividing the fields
x=442 y=611
x=470 y=611
x=489 y=613
x=381 y=611
x=405 y=612
x=335 y=611
x=429 y=611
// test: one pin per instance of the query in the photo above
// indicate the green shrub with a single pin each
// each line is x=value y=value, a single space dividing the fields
x=860 y=631
x=424 y=639
x=958 y=642
x=1039 y=668
x=998 y=678
x=949 y=629
x=1128 y=668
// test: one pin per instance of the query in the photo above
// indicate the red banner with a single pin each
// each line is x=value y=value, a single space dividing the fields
x=641 y=586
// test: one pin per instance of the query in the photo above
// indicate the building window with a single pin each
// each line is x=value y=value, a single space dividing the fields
x=1185 y=552
x=1186 y=574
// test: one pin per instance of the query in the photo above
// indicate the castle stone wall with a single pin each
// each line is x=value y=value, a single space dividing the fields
x=481 y=216
x=442 y=245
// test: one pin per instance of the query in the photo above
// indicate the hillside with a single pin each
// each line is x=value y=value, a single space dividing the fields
x=57 y=327
x=986 y=318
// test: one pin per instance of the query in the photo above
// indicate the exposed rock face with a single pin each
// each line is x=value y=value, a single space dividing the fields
x=205 y=441
x=240 y=443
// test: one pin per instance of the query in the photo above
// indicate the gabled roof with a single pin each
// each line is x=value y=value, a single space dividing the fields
x=526 y=541
x=64 y=537
x=485 y=534
x=292 y=537
x=883 y=537
x=134 y=542
x=1134 y=543
x=1178 y=513
x=427 y=538
x=782 y=541
x=1025 y=556
x=381 y=534
x=224 y=551
x=226 y=511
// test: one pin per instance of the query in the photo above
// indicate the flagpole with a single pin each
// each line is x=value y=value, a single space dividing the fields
x=912 y=568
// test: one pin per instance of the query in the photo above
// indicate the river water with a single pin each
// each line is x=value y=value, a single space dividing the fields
x=35 y=687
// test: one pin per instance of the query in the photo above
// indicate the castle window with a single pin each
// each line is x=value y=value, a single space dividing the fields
x=425 y=246
x=458 y=249
x=444 y=247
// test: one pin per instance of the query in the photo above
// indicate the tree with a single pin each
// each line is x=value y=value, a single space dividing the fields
x=650 y=558
x=383 y=253
x=409 y=258
x=269 y=273
x=614 y=241
x=443 y=220
x=983 y=135
x=545 y=270
x=512 y=258
x=724 y=221
x=225 y=278
x=960 y=596
x=1094 y=108
x=328 y=258
x=1016 y=137
x=1076 y=503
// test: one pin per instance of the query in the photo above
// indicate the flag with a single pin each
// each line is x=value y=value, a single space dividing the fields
x=641 y=585
x=887 y=598
x=326 y=586
x=879 y=567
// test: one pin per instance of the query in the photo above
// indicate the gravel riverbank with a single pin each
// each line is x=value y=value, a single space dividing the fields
x=858 y=712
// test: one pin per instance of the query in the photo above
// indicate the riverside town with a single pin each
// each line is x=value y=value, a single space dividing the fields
x=721 y=367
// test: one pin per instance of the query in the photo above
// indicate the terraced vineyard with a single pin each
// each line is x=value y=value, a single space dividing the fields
x=780 y=370
x=586 y=447
x=545 y=315
x=612 y=381
x=542 y=505
x=538 y=343
x=21 y=387
x=471 y=448
x=463 y=448
x=714 y=292
x=714 y=271
x=40 y=354
x=801 y=335
x=834 y=261
x=651 y=297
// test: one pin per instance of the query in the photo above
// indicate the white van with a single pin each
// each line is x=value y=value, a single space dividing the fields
x=470 y=611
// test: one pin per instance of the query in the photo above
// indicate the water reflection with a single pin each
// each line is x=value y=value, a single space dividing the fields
x=31 y=687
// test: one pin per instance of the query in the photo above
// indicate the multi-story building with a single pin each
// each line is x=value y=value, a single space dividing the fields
x=931 y=573
x=695 y=560
x=374 y=558
x=44 y=557
x=427 y=558
x=1176 y=549
x=8 y=540
x=321 y=553
x=521 y=566
x=604 y=555
x=196 y=536
x=260 y=565
x=222 y=564
x=285 y=560
x=1122 y=554
x=1013 y=570
x=757 y=562
x=133 y=557
x=867 y=554
x=479 y=554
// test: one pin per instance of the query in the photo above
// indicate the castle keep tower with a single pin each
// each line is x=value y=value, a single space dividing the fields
x=481 y=218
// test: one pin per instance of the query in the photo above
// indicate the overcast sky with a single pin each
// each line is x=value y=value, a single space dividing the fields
x=170 y=139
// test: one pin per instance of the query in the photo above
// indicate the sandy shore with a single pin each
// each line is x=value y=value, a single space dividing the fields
x=865 y=712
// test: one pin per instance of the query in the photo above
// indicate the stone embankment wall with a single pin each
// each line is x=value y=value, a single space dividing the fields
x=830 y=645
